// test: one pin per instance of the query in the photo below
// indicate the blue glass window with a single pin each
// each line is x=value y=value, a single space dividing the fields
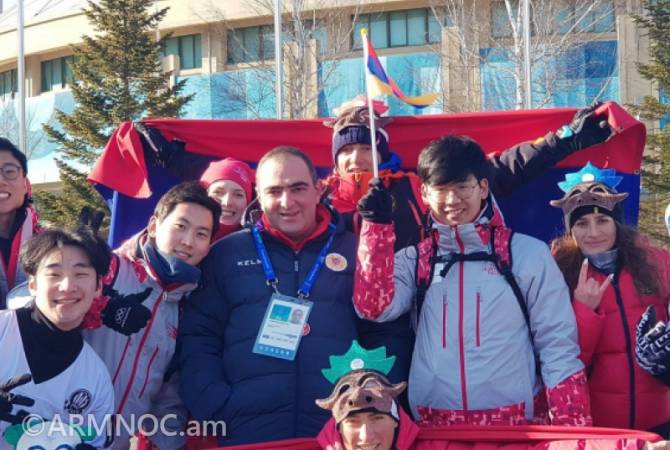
x=188 y=48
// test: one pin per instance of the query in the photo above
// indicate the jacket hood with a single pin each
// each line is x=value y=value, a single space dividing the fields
x=329 y=437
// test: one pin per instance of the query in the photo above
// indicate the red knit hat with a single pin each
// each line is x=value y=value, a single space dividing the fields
x=230 y=169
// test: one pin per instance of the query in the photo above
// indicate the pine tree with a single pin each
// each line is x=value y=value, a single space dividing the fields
x=656 y=110
x=117 y=77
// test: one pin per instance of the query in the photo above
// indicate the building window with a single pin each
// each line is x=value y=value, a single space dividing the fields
x=251 y=44
x=188 y=48
x=599 y=19
x=56 y=73
x=568 y=17
x=318 y=32
x=500 y=21
x=398 y=28
x=8 y=85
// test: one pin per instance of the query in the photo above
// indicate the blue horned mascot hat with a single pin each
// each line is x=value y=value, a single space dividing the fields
x=590 y=190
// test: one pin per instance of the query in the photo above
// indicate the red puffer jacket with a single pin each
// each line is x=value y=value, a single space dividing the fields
x=622 y=394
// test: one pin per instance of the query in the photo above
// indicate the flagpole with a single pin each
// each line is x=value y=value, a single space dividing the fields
x=20 y=78
x=526 y=55
x=278 y=59
x=371 y=111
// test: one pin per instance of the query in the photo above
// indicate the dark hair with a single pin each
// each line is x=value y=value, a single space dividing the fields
x=7 y=146
x=188 y=192
x=282 y=152
x=632 y=255
x=451 y=158
x=40 y=245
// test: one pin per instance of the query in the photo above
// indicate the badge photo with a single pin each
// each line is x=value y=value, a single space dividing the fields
x=336 y=262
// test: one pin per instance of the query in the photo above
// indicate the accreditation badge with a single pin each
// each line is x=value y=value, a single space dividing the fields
x=282 y=327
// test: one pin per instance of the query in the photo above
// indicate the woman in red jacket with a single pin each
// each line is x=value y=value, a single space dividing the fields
x=614 y=275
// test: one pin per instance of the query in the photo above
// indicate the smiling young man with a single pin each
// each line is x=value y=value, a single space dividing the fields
x=157 y=268
x=247 y=357
x=54 y=374
x=491 y=301
x=18 y=219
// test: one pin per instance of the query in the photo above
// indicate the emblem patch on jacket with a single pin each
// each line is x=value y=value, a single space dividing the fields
x=78 y=401
x=336 y=262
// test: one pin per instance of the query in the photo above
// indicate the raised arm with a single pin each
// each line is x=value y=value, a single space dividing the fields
x=525 y=161
x=384 y=283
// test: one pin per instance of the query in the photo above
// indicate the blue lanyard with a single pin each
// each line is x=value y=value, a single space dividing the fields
x=271 y=277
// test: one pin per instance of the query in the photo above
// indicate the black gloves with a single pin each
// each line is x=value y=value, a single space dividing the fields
x=8 y=400
x=157 y=150
x=89 y=219
x=125 y=313
x=377 y=205
x=85 y=446
x=652 y=344
x=586 y=129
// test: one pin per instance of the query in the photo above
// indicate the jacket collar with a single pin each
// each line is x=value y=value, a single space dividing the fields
x=470 y=237
x=346 y=191
x=329 y=437
x=323 y=219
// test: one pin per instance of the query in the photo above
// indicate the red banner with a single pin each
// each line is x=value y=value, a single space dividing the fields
x=473 y=437
x=121 y=167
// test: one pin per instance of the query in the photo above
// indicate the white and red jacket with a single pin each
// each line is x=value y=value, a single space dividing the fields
x=138 y=363
x=474 y=359
x=11 y=274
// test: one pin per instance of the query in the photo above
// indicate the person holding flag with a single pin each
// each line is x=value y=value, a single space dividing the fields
x=362 y=152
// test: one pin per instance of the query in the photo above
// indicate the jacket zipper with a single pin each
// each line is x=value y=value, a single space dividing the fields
x=138 y=352
x=146 y=377
x=461 y=345
x=629 y=350
x=479 y=300
x=444 y=321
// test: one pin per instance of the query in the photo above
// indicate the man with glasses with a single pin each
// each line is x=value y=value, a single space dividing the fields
x=353 y=167
x=496 y=336
x=18 y=219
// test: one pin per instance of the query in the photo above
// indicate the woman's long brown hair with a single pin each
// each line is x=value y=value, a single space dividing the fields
x=632 y=256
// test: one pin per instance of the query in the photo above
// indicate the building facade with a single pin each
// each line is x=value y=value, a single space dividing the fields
x=467 y=50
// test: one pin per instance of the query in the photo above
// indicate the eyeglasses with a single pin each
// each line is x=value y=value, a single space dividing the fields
x=10 y=171
x=462 y=190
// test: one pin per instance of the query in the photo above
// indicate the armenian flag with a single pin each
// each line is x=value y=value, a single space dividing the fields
x=378 y=82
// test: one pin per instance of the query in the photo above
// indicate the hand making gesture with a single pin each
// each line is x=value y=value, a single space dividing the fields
x=589 y=291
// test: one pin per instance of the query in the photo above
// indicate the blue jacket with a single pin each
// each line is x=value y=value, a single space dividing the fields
x=261 y=398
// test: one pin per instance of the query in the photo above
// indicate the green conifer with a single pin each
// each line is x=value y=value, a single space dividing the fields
x=656 y=110
x=117 y=77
